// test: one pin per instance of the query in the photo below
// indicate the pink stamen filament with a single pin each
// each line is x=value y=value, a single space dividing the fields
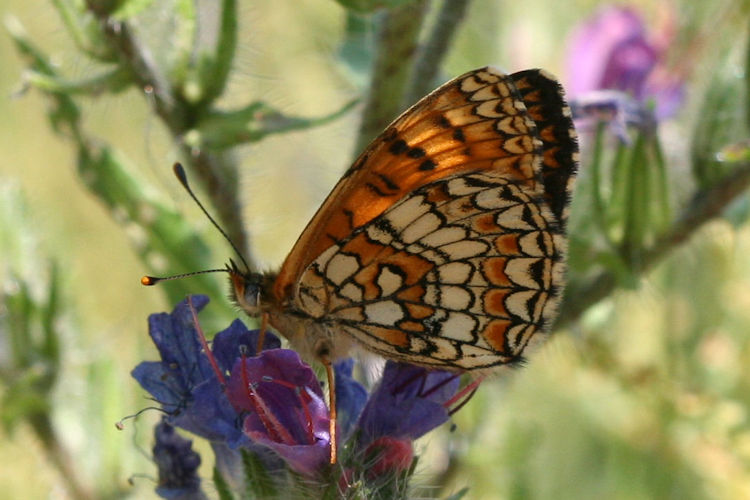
x=204 y=344
x=437 y=386
x=304 y=399
x=470 y=389
x=275 y=430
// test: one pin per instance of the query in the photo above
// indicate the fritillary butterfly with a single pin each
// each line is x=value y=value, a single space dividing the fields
x=444 y=244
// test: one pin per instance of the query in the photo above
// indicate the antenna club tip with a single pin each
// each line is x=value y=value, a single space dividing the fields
x=179 y=172
x=148 y=280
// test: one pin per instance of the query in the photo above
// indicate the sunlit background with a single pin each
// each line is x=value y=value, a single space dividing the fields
x=645 y=396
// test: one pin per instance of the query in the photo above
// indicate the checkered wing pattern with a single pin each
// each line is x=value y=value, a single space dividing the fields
x=444 y=244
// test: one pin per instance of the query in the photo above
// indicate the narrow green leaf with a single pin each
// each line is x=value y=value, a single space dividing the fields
x=50 y=344
x=458 y=495
x=635 y=201
x=595 y=167
x=130 y=8
x=258 y=481
x=222 y=130
x=214 y=69
x=222 y=487
x=113 y=80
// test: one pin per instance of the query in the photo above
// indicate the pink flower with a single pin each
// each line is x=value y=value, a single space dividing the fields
x=612 y=51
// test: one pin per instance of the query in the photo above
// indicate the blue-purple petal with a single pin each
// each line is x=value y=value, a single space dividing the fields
x=176 y=338
x=287 y=389
x=177 y=464
x=408 y=402
x=351 y=396
x=228 y=344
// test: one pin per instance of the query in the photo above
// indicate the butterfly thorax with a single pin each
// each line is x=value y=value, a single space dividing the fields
x=312 y=337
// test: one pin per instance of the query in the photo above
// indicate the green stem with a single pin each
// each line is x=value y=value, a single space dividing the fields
x=217 y=171
x=430 y=56
x=58 y=456
x=396 y=41
x=706 y=204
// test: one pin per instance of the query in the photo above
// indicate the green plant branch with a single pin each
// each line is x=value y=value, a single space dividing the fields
x=397 y=33
x=216 y=73
x=431 y=54
x=58 y=455
x=217 y=172
x=107 y=176
x=706 y=204
x=141 y=64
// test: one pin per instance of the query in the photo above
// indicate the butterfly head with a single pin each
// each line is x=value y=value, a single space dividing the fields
x=247 y=288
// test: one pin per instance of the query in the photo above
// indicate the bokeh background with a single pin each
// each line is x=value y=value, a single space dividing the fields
x=644 y=395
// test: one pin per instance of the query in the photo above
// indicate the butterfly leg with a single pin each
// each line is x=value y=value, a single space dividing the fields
x=262 y=334
x=331 y=404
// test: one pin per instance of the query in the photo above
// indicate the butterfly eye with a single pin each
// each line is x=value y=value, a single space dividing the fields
x=246 y=290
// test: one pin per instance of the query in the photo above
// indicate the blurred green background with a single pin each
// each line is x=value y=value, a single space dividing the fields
x=646 y=396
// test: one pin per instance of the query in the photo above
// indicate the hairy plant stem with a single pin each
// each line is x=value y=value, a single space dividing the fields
x=217 y=172
x=396 y=43
x=705 y=205
x=431 y=54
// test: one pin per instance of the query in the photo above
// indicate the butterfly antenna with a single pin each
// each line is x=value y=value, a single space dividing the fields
x=179 y=172
x=152 y=280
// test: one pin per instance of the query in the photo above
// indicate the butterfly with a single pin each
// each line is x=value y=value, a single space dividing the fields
x=444 y=244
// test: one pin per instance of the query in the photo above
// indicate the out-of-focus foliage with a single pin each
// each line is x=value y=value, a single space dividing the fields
x=642 y=392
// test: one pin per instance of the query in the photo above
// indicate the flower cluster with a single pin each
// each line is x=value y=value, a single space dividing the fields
x=269 y=404
x=617 y=72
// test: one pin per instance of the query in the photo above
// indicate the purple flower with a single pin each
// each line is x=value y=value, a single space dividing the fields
x=409 y=402
x=177 y=463
x=284 y=408
x=612 y=51
x=351 y=397
x=272 y=403
x=184 y=381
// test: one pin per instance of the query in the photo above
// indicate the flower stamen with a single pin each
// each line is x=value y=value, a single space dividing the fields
x=275 y=430
x=463 y=396
x=204 y=343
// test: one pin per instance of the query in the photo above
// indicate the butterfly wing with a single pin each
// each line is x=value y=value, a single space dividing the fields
x=545 y=103
x=459 y=274
x=476 y=122
x=443 y=245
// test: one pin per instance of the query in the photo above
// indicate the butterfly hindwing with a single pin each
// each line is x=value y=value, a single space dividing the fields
x=459 y=274
x=545 y=103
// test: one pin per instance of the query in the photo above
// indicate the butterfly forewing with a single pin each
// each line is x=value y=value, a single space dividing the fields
x=443 y=244
x=473 y=123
